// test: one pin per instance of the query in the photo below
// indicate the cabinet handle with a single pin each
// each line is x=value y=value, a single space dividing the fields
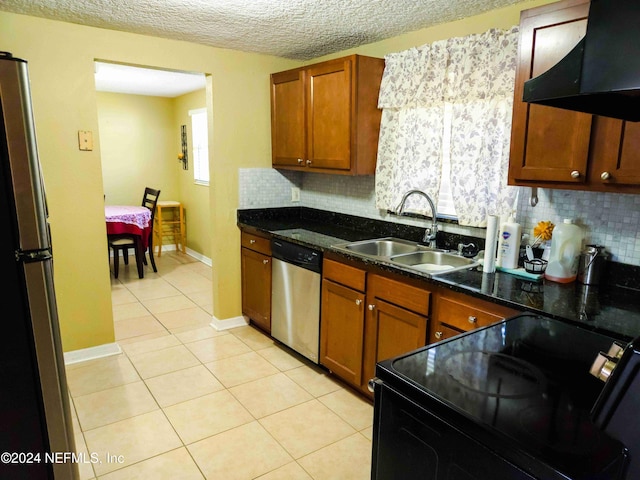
x=252 y=241
x=472 y=319
x=300 y=160
x=575 y=174
x=308 y=162
x=438 y=335
x=605 y=175
x=358 y=302
x=265 y=261
x=371 y=307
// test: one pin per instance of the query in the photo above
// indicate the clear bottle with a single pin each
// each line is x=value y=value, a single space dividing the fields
x=566 y=245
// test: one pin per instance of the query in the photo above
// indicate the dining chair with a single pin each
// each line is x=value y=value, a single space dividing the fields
x=125 y=242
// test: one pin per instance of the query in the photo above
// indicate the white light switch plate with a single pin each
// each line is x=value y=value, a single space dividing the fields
x=295 y=194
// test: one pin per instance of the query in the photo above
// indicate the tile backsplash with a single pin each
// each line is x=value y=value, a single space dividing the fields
x=608 y=219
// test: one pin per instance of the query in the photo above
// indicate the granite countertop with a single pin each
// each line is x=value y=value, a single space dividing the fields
x=614 y=310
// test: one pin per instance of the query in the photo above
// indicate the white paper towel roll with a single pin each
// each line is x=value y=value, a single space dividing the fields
x=490 y=244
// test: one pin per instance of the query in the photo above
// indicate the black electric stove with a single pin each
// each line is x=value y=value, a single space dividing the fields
x=509 y=401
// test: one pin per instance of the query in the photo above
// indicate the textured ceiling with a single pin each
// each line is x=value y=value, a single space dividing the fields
x=296 y=29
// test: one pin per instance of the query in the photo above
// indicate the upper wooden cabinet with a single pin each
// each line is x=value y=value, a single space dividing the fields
x=324 y=117
x=556 y=148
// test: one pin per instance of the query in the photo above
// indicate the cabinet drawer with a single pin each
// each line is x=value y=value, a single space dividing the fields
x=256 y=243
x=344 y=274
x=401 y=294
x=469 y=313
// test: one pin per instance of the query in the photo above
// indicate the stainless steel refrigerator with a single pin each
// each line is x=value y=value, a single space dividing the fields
x=35 y=421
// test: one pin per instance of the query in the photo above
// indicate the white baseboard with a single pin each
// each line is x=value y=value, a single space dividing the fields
x=228 y=323
x=196 y=255
x=91 y=353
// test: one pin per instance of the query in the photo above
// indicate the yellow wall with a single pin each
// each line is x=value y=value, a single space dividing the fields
x=137 y=139
x=61 y=60
x=195 y=198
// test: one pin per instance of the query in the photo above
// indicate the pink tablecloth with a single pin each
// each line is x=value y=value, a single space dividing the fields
x=125 y=219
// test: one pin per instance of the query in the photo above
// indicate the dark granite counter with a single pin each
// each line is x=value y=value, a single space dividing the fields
x=613 y=308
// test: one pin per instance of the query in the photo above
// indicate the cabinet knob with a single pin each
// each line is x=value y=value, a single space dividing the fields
x=438 y=335
x=371 y=307
x=472 y=319
x=300 y=160
x=358 y=302
x=252 y=241
x=575 y=174
x=265 y=261
x=605 y=175
x=308 y=162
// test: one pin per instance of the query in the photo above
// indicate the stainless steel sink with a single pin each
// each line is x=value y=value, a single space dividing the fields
x=433 y=262
x=382 y=247
x=408 y=255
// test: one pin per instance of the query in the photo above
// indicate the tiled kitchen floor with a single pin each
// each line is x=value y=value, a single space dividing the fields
x=186 y=401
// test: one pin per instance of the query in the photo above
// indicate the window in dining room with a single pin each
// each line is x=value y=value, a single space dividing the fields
x=200 y=146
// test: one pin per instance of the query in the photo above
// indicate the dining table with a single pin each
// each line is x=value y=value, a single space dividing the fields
x=130 y=221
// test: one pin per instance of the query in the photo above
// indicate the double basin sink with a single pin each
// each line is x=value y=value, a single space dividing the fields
x=408 y=255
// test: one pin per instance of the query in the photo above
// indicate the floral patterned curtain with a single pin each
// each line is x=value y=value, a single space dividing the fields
x=473 y=74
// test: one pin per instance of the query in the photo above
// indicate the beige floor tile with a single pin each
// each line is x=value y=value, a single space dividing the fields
x=270 y=395
x=206 y=416
x=193 y=334
x=313 y=380
x=290 y=471
x=137 y=327
x=368 y=433
x=201 y=298
x=348 y=459
x=168 y=304
x=240 y=369
x=217 y=348
x=129 y=310
x=252 y=337
x=159 y=362
x=142 y=338
x=117 y=403
x=133 y=440
x=305 y=428
x=194 y=316
x=183 y=385
x=240 y=454
x=89 y=377
x=357 y=411
x=122 y=296
x=281 y=357
x=84 y=468
x=188 y=283
x=176 y=464
x=150 y=345
x=160 y=290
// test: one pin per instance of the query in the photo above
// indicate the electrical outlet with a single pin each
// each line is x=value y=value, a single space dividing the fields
x=295 y=194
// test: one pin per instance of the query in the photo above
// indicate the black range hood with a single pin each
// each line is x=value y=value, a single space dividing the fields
x=601 y=75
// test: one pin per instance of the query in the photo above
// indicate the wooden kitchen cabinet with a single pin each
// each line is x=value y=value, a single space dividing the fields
x=396 y=321
x=256 y=279
x=456 y=313
x=342 y=322
x=367 y=318
x=324 y=117
x=556 y=148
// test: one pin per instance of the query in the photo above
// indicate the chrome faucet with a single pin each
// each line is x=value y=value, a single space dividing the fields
x=430 y=232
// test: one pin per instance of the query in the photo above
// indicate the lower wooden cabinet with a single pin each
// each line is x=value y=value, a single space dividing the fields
x=455 y=313
x=256 y=280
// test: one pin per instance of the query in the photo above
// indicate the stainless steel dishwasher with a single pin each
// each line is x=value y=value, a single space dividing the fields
x=295 y=297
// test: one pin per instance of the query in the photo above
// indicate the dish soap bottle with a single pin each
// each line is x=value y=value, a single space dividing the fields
x=566 y=244
x=509 y=250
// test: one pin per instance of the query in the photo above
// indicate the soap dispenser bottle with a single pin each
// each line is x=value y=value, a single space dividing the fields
x=510 y=237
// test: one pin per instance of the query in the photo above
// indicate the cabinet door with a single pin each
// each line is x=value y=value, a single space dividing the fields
x=390 y=331
x=288 y=141
x=329 y=105
x=442 y=331
x=256 y=288
x=342 y=331
x=548 y=144
x=615 y=154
